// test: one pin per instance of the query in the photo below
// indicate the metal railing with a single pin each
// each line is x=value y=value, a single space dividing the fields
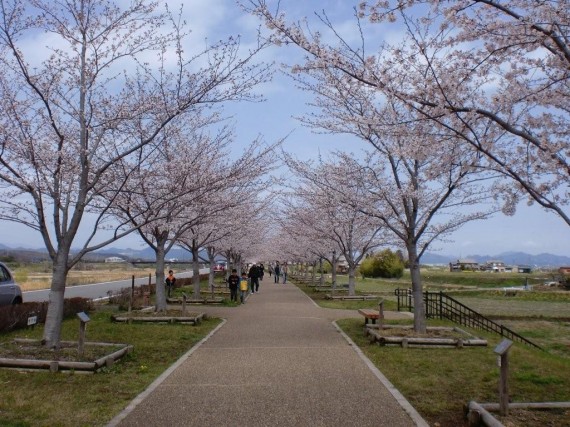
x=439 y=305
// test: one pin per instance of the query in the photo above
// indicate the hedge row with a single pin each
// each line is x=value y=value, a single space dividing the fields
x=14 y=317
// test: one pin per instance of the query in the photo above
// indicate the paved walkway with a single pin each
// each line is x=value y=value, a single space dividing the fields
x=277 y=361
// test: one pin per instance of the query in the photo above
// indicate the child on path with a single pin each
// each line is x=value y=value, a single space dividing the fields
x=233 y=282
x=243 y=285
x=170 y=281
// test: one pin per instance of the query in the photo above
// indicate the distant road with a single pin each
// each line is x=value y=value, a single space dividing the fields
x=99 y=290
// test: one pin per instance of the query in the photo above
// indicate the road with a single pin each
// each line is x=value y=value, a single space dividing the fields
x=98 y=290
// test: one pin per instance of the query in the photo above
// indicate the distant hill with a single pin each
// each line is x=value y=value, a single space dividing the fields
x=147 y=254
x=509 y=258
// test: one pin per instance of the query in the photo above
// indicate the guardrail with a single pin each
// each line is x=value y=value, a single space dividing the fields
x=439 y=305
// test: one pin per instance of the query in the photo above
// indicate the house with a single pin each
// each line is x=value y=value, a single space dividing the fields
x=463 y=265
x=564 y=270
x=342 y=265
x=522 y=269
x=495 y=266
x=114 y=259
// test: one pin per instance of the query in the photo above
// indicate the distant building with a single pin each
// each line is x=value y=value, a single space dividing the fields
x=463 y=264
x=522 y=269
x=495 y=266
x=114 y=259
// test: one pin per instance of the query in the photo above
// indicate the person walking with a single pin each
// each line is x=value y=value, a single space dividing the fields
x=233 y=282
x=277 y=272
x=285 y=270
x=170 y=281
x=254 y=278
x=261 y=271
x=243 y=285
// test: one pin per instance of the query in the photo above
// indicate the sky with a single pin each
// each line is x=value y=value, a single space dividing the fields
x=530 y=230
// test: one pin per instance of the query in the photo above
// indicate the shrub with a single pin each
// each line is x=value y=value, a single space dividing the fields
x=386 y=264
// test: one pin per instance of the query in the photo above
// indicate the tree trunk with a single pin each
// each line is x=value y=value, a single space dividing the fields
x=351 y=280
x=313 y=272
x=211 y=255
x=54 y=317
x=322 y=278
x=417 y=289
x=195 y=271
x=333 y=274
x=160 y=253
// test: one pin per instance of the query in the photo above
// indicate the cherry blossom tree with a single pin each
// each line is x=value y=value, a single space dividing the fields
x=321 y=189
x=495 y=73
x=419 y=176
x=110 y=81
x=170 y=192
x=245 y=178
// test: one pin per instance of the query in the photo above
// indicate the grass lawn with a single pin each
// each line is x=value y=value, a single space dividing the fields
x=438 y=382
x=67 y=399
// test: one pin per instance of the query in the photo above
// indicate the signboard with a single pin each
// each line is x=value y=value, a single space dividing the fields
x=32 y=320
x=83 y=317
x=503 y=347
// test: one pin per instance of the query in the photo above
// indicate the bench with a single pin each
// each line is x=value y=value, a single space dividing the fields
x=369 y=314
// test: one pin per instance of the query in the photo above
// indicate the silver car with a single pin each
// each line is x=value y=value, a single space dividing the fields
x=10 y=292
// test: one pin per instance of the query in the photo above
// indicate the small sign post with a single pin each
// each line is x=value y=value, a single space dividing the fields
x=502 y=350
x=184 y=298
x=83 y=319
x=32 y=320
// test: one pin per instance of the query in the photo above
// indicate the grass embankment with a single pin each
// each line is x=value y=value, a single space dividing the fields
x=47 y=399
x=438 y=382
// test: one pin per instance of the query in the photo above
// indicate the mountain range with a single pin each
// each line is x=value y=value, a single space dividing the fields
x=509 y=258
x=147 y=254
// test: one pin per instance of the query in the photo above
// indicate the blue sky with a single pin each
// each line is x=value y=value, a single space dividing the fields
x=531 y=230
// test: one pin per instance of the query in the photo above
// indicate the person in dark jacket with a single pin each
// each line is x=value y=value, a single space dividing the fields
x=277 y=272
x=254 y=278
x=261 y=271
x=233 y=282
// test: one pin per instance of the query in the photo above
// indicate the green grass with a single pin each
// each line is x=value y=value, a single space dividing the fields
x=47 y=399
x=441 y=278
x=438 y=382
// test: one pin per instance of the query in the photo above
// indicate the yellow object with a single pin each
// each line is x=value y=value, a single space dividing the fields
x=243 y=285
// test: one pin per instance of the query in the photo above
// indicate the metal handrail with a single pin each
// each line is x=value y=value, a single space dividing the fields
x=442 y=306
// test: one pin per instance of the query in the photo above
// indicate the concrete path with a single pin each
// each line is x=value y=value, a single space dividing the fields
x=277 y=361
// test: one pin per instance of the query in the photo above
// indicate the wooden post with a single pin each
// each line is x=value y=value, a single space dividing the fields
x=132 y=293
x=83 y=319
x=184 y=296
x=503 y=351
x=381 y=314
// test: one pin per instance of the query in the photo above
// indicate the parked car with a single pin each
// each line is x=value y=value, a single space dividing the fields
x=10 y=292
x=221 y=266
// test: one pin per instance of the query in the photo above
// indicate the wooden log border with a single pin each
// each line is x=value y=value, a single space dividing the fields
x=479 y=413
x=62 y=365
x=202 y=301
x=469 y=341
x=351 y=297
x=194 y=320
